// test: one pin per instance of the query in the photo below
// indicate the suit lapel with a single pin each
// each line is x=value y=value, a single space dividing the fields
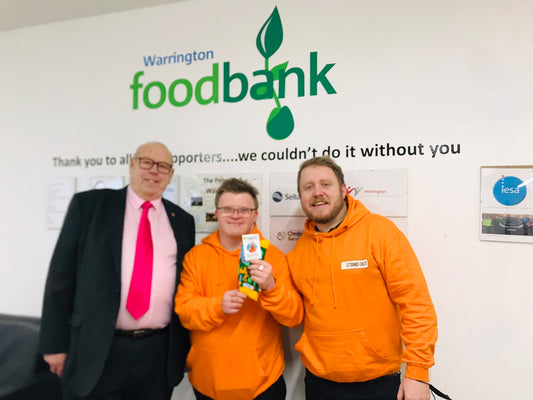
x=173 y=218
x=117 y=208
x=173 y=222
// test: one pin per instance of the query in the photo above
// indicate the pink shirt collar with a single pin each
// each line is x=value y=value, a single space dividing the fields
x=137 y=202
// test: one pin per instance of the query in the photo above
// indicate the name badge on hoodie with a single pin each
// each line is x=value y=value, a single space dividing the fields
x=356 y=264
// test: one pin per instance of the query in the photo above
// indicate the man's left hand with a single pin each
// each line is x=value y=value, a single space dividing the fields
x=261 y=273
x=411 y=389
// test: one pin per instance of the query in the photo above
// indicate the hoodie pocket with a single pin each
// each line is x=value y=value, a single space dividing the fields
x=226 y=376
x=342 y=356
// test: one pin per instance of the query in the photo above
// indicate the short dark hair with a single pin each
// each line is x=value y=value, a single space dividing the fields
x=323 y=162
x=236 y=185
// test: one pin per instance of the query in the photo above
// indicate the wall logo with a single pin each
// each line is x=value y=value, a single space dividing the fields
x=277 y=197
x=289 y=235
x=280 y=123
x=509 y=190
x=232 y=87
x=354 y=191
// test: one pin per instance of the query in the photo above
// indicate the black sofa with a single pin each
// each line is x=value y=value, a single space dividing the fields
x=23 y=374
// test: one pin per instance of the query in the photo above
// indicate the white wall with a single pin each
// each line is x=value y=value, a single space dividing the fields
x=405 y=73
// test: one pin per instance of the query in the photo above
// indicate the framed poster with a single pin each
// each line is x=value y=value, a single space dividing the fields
x=197 y=196
x=59 y=193
x=506 y=205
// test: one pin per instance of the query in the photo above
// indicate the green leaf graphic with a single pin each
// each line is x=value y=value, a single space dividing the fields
x=261 y=93
x=281 y=67
x=270 y=35
x=280 y=123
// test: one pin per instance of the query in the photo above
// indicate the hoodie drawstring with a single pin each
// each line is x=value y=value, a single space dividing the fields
x=315 y=278
x=316 y=269
x=332 y=248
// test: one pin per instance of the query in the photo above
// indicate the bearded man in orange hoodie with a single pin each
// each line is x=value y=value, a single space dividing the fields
x=367 y=305
x=236 y=348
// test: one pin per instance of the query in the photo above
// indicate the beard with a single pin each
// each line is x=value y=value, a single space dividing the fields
x=337 y=207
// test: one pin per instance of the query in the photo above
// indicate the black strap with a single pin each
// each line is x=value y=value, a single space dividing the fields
x=437 y=392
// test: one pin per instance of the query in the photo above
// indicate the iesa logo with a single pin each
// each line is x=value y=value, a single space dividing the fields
x=509 y=190
x=271 y=83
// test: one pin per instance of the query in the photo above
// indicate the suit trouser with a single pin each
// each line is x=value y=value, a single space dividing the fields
x=383 y=388
x=135 y=369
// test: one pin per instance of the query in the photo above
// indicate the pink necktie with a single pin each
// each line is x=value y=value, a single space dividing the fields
x=141 y=280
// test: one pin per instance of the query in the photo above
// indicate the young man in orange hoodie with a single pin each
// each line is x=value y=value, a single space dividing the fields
x=236 y=351
x=367 y=306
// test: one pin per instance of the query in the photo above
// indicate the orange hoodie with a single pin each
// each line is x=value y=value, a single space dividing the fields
x=365 y=297
x=235 y=356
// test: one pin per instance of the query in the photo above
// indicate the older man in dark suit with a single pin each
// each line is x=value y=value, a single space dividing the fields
x=108 y=327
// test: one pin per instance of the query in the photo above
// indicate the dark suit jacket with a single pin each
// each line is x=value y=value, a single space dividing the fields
x=82 y=295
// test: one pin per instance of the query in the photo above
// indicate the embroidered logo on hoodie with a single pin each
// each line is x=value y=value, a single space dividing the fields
x=356 y=264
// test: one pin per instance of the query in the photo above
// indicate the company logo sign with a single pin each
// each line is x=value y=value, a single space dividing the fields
x=354 y=190
x=289 y=235
x=509 y=190
x=225 y=84
x=277 y=197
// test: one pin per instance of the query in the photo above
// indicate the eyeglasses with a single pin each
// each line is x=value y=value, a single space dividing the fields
x=242 y=210
x=148 y=163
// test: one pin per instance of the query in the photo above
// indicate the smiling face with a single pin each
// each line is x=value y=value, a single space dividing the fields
x=149 y=184
x=232 y=226
x=322 y=197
